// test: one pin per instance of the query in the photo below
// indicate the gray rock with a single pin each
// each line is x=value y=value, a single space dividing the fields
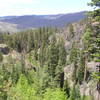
x=4 y=49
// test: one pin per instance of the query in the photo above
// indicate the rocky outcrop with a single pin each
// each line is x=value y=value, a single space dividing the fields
x=92 y=65
x=4 y=49
x=88 y=88
x=68 y=71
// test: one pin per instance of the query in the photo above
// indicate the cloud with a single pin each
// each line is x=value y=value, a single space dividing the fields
x=14 y=7
x=7 y=3
x=26 y=7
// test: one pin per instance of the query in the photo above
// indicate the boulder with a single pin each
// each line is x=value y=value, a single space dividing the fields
x=4 y=49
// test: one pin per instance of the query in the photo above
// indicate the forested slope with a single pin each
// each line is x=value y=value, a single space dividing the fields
x=52 y=64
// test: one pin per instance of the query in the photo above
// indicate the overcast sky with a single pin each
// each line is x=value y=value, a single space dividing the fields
x=41 y=7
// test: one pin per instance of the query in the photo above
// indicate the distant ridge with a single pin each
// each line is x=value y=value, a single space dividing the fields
x=36 y=21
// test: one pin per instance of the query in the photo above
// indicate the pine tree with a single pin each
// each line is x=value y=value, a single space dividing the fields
x=61 y=63
x=92 y=37
x=75 y=93
x=74 y=59
x=81 y=68
x=71 y=31
x=53 y=57
x=66 y=88
x=1 y=57
x=22 y=91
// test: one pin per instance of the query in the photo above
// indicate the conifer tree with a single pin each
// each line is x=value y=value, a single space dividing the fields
x=74 y=59
x=53 y=57
x=93 y=38
x=1 y=57
x=81 y=68
x=71 y=30
x=61 y=63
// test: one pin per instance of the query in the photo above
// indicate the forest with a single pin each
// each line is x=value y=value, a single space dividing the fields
x=38 y=64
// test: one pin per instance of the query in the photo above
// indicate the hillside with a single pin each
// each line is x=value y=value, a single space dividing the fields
x=36 y=21
x=49 y=58
x=7 y=27
x=60 y=61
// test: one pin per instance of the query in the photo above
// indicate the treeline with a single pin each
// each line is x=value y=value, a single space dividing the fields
x=27 y=40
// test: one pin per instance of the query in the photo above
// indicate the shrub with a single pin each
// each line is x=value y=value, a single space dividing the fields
x=22 y=91
x=54 y=94
x=1 y=57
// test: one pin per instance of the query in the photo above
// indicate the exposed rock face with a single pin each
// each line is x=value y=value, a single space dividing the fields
x=89 y=89
x=86 y=88
x=68 y=71
x=92 y=66
x=95 y=23
x=4 y=49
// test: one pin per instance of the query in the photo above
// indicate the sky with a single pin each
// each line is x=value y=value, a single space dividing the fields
x=42 y=7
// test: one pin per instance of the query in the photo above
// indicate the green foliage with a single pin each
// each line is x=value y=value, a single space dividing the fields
x=81 y=68
x=91 y=42
x=5 y=82
x=32 y=59
x=62 y=52
x=75 y=94
x=16 y=72
x=74 y=59
x=95 y=3
x=53 y=57
x=96 y=75
x=40 y=80
x=66 y=88
x=71 y=31
x=74 y=52
x=87 y=39
x=61 y=63
x=3 y=94
x=46 y=60
x=1 y=57
x=42 y=54
x=87 y=98
x=54 y=94
x=92 y=37
x=28 y=40
x=22 y=91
